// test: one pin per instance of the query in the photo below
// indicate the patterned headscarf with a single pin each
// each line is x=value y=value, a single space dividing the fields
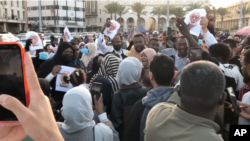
x=108 y=69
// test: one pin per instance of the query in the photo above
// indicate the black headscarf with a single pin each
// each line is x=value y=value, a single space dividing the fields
x=45 y=86
x=48 y=65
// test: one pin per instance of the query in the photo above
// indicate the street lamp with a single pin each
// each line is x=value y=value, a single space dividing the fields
x=241 y=7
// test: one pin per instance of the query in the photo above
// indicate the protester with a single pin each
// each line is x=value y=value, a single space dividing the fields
x=77 y=78
x=116 y=42
x=90 y=39
x=130 y=92
x=124 y=44
x=78 y=102
x=147 y=55
x=246 y=74
x=154 y=44
x=29 y=119
x=195 y=113
x=50 y=68
x=96 y=63
x=234 y=59
x=90 y=51
x=107 y=76
x=139 y=45
x=161 y=75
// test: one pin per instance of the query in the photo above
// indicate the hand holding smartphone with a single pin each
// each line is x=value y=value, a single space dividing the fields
x=12 y=75
x=95 y=90
x=233 y=100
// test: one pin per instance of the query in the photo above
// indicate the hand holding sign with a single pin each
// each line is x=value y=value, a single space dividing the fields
x=112 y=29
x=67 y=34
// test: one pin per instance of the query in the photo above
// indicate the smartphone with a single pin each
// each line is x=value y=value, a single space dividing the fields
x=195 y=54
x=12 y=76
x=233 y=100
x=96 y=90
x=200 y=42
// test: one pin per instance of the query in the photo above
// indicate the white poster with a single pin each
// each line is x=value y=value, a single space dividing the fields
x=67 y=34
x=112 y=29
x=193 y=18
x=61 y=85
x=36 y=42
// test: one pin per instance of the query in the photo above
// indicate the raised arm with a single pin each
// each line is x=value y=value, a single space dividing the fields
x=101 y=43
x=208 y=37
x=183 y=28
x=130 y=34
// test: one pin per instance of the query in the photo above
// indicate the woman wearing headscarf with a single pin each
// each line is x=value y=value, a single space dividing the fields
x=50 y=68
x=89 y=51
x=96 y=62
x=107 y=76
x=78 y=115
x=130 y=92
x=147 y=55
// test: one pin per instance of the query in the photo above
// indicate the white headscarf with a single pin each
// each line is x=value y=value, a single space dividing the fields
x=77 y=110
x=78 y=114
x=129 y=71
x=92 y=53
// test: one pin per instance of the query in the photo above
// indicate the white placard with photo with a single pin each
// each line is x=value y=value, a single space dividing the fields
x=193 y=18
x=36 y=42
x=67 y=34
x=112 y=29
x=61 y=85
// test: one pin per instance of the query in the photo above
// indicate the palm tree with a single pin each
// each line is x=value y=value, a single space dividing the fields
x=245 y=11
x=108 y=10
x=222 y=12
x=177 y=11
x=157 y=11
x=194 y=5
x=111 y=8
x=138 y=8
x=121 y=11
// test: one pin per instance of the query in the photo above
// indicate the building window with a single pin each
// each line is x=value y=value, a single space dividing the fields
x=24 y=17
x=100 y=11
x=48 y=7
x=6 y=11
x=60 y=18
x=100 y=20
x=12 y=12
x=17 y=3
x=11 y=3
x=64 y=7
x=18 y=14
x=47 y=18
x=43 y=7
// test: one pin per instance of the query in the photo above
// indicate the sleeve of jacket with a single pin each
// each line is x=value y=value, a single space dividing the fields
x=104 y=119
x=117 y=112
x=209 y=38
x=102 y=46
x=44 y=69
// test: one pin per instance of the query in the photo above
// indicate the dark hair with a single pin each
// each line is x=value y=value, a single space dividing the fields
x=248 y=40
x=202 y=84
x=77 y=78
x=95 y=65
x=162 y=68
x=130 y=45
x=152 y=40
x=138 y=35
x=247 y=57
x=174 y=39
x=237 y=36
x=231 y=42
x=220 y=50
x=55 y=39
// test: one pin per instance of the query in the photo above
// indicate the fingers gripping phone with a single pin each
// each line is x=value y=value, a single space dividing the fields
x=96 y=90
x=233 y=100
x=12 y=76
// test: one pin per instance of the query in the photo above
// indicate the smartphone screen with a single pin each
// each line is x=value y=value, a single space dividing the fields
x=233 y=100
x=96 y=90
x=11 y=77
x=195 y=54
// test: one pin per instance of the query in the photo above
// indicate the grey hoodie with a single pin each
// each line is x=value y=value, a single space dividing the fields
x=154 y=96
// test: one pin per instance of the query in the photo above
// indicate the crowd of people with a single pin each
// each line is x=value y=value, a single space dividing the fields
x=152 y=89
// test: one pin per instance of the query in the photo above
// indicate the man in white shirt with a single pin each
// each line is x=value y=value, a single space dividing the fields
x=246 y=74
x=116 y=42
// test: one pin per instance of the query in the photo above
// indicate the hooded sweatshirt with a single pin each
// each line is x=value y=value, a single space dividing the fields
x=154 y=96
x=134 y=53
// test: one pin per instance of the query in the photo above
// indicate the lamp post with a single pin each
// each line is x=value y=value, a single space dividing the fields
x=241 y=7
x=40 y=16
x=167 y=14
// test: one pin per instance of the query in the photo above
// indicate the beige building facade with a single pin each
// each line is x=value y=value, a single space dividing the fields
x=96 y=18
x=231 y=20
